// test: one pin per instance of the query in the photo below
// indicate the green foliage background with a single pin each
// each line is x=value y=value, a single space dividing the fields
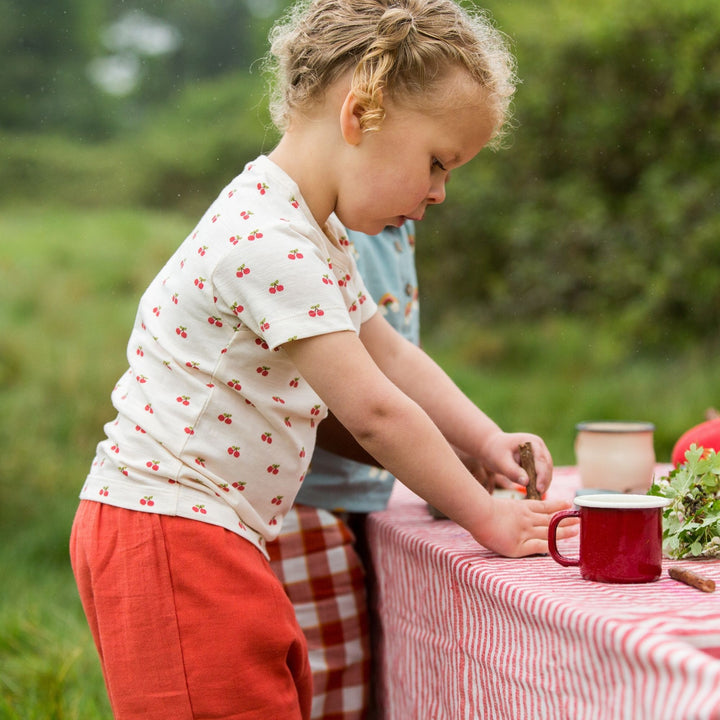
x=570 y=276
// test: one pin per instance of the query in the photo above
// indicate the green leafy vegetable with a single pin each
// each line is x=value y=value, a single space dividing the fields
x=691 y=522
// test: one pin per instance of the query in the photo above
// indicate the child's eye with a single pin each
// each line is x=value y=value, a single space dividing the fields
x=437 y=164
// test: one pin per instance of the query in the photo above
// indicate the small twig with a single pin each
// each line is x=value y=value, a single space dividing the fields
x=527 y=460
x=688 y=577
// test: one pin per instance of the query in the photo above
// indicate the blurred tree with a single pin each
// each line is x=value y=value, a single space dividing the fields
x=90 y=67
x=45 y=46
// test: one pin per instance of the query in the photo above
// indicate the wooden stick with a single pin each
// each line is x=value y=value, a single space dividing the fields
x=688 y=577
x=527 y=460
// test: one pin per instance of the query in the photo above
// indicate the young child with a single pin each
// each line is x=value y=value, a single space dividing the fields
x=255 y=327
x=319 y=553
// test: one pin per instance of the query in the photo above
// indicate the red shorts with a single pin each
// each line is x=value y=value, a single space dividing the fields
x=188 y=618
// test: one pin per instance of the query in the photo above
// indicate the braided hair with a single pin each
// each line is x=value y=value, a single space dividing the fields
x=403 y=48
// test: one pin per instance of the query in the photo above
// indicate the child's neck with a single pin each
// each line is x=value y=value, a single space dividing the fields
x=303 y=156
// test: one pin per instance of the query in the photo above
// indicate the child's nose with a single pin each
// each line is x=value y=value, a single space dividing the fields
x=437 y=191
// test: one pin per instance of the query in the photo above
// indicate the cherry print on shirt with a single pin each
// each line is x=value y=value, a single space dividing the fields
x=104 y=492
x=234 y=384
x=254 y=235
x=287 y=422
x=199 y=461
x=224 y=487
x=242 y=271
x=202 y=250
x=239 y=485
x=266 y=437
x=275 y=287
x=156 y=311
x=199 y=509
x=175 y=298
x=277 y=500
x=263 y=370
x=123 y=469
x=215 y=217
x=192 y=364
x=181 y=330
x=237 y=308
x=316 y=311
x=343 y=281
x=273 y=469
x=115 y=449
x=189 y=430
x=139 y=351
x=326 y=280
x=245 y=214
x=262 y=343
x=294 y=202
x=262 y=188
x=141 y=379
x=215 y=320
x=183 y=399
x=148 y=408
x=295 y=255
x=225 y=418
x=234 y=450
x=264 y=325
x=278 y=399
x=153 y=465
x=295 y=382
x=235 y=239
x=199 y=282
x=147 y=500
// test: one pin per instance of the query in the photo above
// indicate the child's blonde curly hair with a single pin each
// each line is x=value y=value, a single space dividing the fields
x=403 y=48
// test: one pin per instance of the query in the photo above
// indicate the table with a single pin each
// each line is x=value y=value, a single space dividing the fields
x=464 y=633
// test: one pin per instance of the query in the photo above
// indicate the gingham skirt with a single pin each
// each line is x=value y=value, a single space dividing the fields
x=323 y=576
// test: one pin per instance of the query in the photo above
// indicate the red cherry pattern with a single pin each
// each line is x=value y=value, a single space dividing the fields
x=183 y=331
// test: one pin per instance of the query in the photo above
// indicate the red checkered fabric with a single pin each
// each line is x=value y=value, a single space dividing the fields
x=323 y=576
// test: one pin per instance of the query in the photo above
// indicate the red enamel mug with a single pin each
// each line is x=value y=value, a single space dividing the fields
x=620 y=537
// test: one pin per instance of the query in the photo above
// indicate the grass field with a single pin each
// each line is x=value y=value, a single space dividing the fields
x=70 y=283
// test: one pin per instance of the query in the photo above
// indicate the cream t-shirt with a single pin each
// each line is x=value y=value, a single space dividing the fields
x=214 y=421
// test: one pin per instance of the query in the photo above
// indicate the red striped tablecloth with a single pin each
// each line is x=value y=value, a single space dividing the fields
x=465 y=633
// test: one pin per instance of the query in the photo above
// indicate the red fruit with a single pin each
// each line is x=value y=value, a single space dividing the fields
x=705 y=435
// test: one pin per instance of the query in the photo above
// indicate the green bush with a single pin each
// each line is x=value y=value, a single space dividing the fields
x=603 y=205
x=605 y=202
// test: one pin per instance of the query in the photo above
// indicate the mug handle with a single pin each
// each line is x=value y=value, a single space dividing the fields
x=555 y=520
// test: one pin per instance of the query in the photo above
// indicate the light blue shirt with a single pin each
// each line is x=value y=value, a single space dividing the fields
x=387 y=265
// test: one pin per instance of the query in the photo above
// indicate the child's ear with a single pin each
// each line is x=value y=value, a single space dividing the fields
x=351 y=115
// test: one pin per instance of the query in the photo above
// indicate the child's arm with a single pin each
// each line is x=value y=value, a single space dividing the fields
x=394 y=429
x=462 y=423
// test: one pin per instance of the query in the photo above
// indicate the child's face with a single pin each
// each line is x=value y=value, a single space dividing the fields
x=396 y=172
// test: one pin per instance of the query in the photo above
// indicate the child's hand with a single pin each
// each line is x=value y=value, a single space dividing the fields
x=502 y=456
x=516 y=528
